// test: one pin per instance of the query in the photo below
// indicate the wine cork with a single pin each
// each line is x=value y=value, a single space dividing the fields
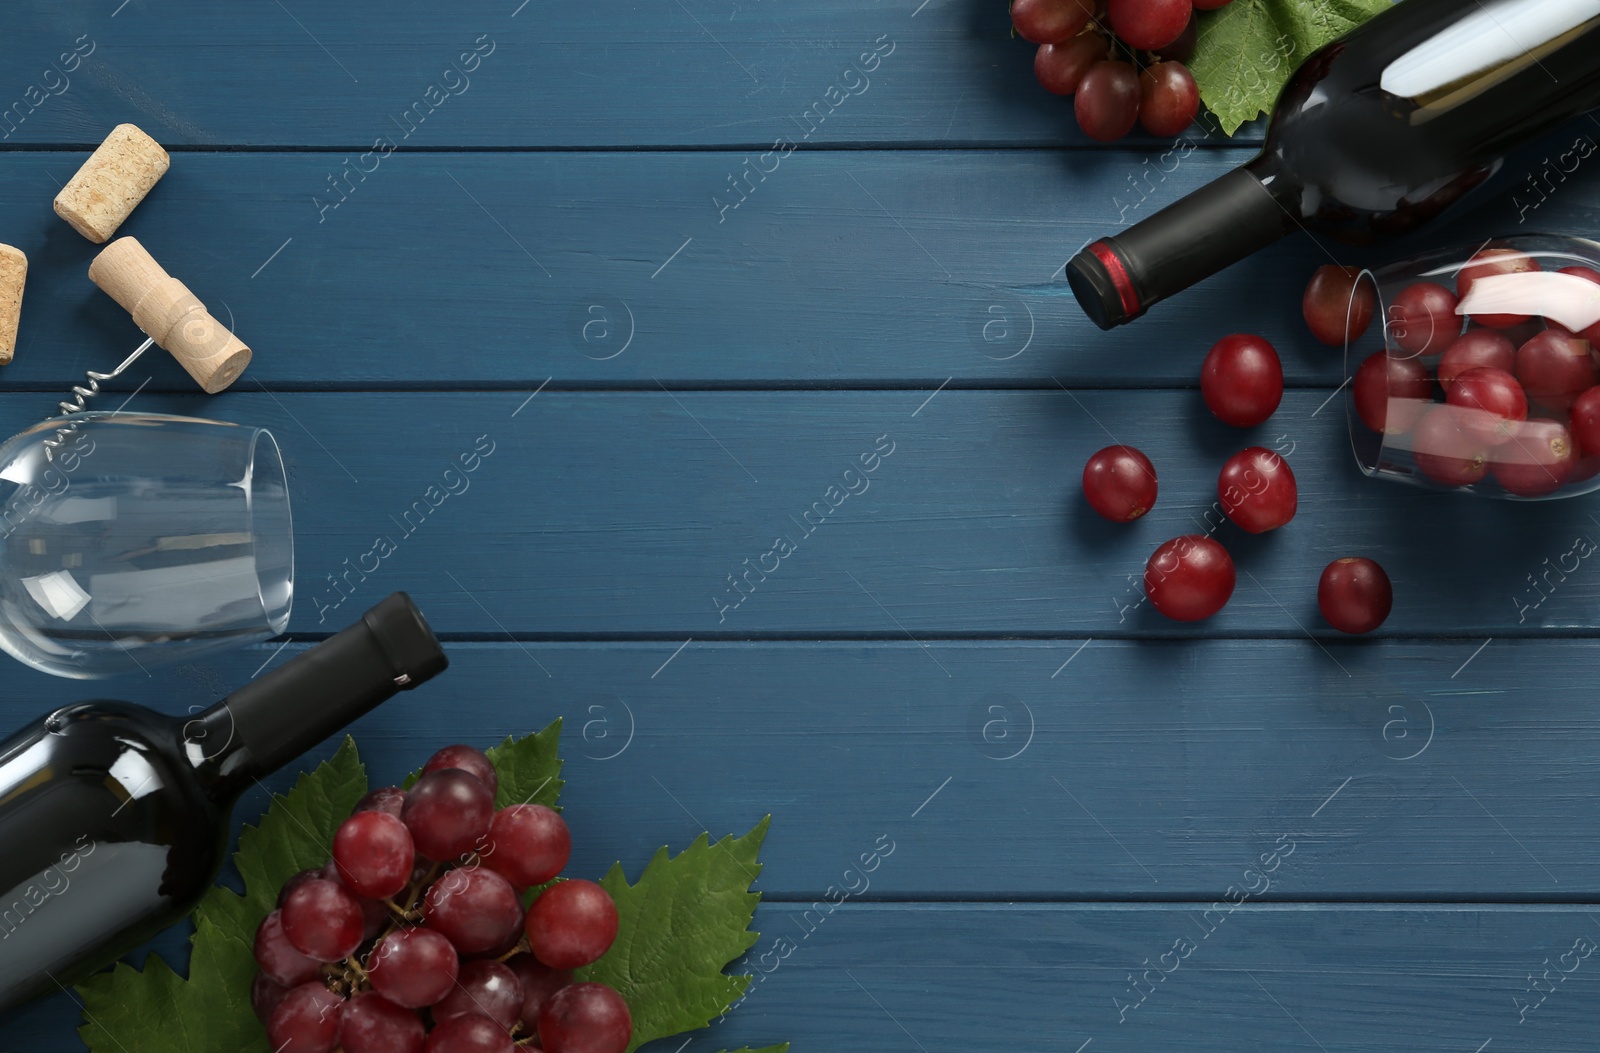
x=13 y=273
x=112 y=182
x=169 y=313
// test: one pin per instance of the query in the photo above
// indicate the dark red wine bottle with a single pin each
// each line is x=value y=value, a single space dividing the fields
x=1376 y=134
x=114 y=819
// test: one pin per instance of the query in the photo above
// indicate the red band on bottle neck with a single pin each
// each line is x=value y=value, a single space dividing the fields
x=1119 y=276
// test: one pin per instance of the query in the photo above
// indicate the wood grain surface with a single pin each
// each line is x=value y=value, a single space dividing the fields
x=1111 y=832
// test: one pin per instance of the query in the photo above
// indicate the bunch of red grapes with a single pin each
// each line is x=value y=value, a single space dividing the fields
x=413 y=939
x=1191 y=578
x=1123 y=60
x=1520 y=395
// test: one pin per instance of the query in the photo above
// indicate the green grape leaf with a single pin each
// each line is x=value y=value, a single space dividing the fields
x=529 y=768
x=1246 y=50
x=155 y=1010
x=681 y=924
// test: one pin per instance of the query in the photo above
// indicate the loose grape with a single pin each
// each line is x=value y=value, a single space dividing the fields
x=1189 y=578
x=1119 y=482
x=1494 y=261
x=1423 y=319
x=1446 y=453
x=1338 y=305
x=1555 y=368
x=1241 y=380
x=1354 y=595
x=1540 y=459
x=1258 y=490
x=1390 y=393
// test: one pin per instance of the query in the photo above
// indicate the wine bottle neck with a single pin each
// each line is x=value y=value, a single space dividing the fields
x=1119 y=278
x=276 y=718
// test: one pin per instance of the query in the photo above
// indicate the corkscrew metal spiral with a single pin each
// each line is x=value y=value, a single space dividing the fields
x=81 y=394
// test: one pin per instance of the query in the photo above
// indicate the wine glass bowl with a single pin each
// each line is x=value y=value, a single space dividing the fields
x=1473 y=373
x=129 y=540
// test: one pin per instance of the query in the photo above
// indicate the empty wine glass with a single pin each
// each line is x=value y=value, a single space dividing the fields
x=129 y=540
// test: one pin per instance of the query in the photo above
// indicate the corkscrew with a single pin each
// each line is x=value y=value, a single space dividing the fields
x=81 y=395
x=170 y=315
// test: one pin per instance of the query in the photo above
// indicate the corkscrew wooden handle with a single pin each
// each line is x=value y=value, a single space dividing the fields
x=168 y=312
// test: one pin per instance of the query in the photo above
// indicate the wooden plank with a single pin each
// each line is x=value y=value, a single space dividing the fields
x=847 y=268
x=1352 y=978
x=1049 y=770
x=702 y=72
x=628 y=513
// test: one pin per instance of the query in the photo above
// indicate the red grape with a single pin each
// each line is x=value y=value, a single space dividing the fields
x=1107 y=101
x=469 y=759
x=327 y=873
x=1120 y=483
x=571 y=924
x=1586 y=422
x=306 y=1021
x=1170 y=98
x=585 y=1018
x=413 y=967
x=484 y=988
x=374 y=853
x=1390 y=393
x=323 y=920
x=1444 y=452
x=1182 y=49
x=1050 y=21
x=1540 y=459
x=529 y=844
x=280 y=959
x=1494 y=261
x=1476 y=347
x=1337 y=305
x=1258 y=490
x=469 y=1034
x=370 y=1023
x=1242 y=380
x=1060 y=67
x=1149 y=24
x=1354 y=595
x=1491 y=401
x=265 y=994
x=447 y=812
x=389 y=799
x=1555 y=368
x=1423 y=319
x=1189 y=578
x=538 y=981
x=475 y=908
x=1591 y=334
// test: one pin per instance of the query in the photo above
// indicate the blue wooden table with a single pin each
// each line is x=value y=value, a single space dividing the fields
x=689 y=267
